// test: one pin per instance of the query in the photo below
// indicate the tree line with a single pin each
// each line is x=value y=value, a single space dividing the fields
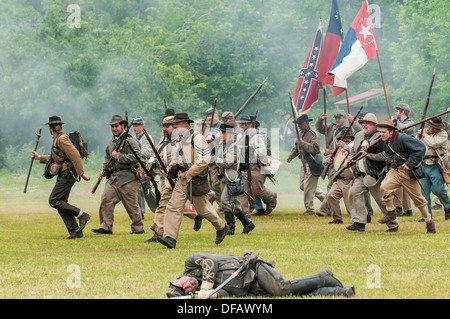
x=131 y=55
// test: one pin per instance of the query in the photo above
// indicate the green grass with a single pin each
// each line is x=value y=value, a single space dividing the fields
x=35 y=256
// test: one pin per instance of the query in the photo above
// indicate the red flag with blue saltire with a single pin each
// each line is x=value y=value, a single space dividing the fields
x=307 y=90
x=330 y=48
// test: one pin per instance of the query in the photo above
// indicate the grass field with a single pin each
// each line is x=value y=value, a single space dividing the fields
x=37 y=262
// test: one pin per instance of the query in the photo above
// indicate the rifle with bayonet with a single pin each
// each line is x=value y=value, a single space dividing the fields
x=327 y=168
x=148 y=173
x=249 y=99
x=161 y=163
x=32 y=160
x=119 y=146
x=360 y=155
x=424 y=115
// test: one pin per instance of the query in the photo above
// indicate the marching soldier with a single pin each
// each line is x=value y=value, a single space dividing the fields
x=122 y=185
x=405 y=156
x=204 y=273
x=70 y=165
x=165 y=148
x=402 y=201
x=368 y=172
x=332 y=131
x=435 y=139
x=258 y=158
x=309 y=148
x=341 y=185
x=189 y=165
x=228 y=163
x=146 y=154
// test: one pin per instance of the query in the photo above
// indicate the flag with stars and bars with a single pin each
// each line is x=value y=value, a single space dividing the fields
x=307 y=90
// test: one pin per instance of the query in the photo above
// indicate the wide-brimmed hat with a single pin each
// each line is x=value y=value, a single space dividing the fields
x=54 y=120
x=388 y=124
x=303 y=118
x=369 y=117
x=436 y=122
x=182 y=117
x=245 y=119
x=117 y=119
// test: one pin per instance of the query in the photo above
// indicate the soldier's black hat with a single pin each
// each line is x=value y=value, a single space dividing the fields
x=182 y=117
x=303 y=118
x=54 y=120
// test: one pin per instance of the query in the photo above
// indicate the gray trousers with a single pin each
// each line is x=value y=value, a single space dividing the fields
x=357 y=198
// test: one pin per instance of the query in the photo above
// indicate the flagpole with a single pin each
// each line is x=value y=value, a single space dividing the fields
x=348 y=102
x=384 y=86
x=325 y=112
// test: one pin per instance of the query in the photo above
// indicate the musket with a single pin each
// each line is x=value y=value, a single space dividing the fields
x=426 y=107
x=251 y=197
x=119 y=146
x=165 y=108
x=213 y=112
x=147 y=172
x=32 y=160
x=164 y=168
x=358 y=156
x=294 y=115
x=327 y=168
x=249 y=99
x=234 y=275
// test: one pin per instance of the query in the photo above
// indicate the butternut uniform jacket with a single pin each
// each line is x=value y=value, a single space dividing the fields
x=64 y=153
x=374 y=163
x=125 y=166
x=437 y=142
x=196 y=157
x=310 y=147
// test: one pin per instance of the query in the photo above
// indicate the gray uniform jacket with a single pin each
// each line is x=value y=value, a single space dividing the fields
x=125 y=166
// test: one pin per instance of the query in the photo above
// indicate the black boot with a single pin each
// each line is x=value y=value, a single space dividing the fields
x=308 y=284
x=447 y=213
x=348 y=291
x=357 y=226
x=246 y=222
x=231 y=222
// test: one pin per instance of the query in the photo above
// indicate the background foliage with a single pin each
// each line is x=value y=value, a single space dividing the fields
x=130 y=55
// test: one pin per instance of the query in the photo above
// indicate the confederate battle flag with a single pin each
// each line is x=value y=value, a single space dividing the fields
x=330 y=48
x=307 y=90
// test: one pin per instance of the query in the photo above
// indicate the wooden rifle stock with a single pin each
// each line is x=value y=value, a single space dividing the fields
x=327 y=168
x=171 y=182
x=426 y=107
x=32 y=160
x=375 y=141
x=118 y=148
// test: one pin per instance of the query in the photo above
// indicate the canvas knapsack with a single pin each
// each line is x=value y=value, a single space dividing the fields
x=78 y=141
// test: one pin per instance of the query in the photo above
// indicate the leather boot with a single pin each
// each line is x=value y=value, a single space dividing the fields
x=357 y=226
x=390 y=216
x=308 y=284
x=271 y=206
x=231 y=222
x=246 y=222
x=348 y=291
x=447 y=213
x=169 y=242
x=431 y=228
